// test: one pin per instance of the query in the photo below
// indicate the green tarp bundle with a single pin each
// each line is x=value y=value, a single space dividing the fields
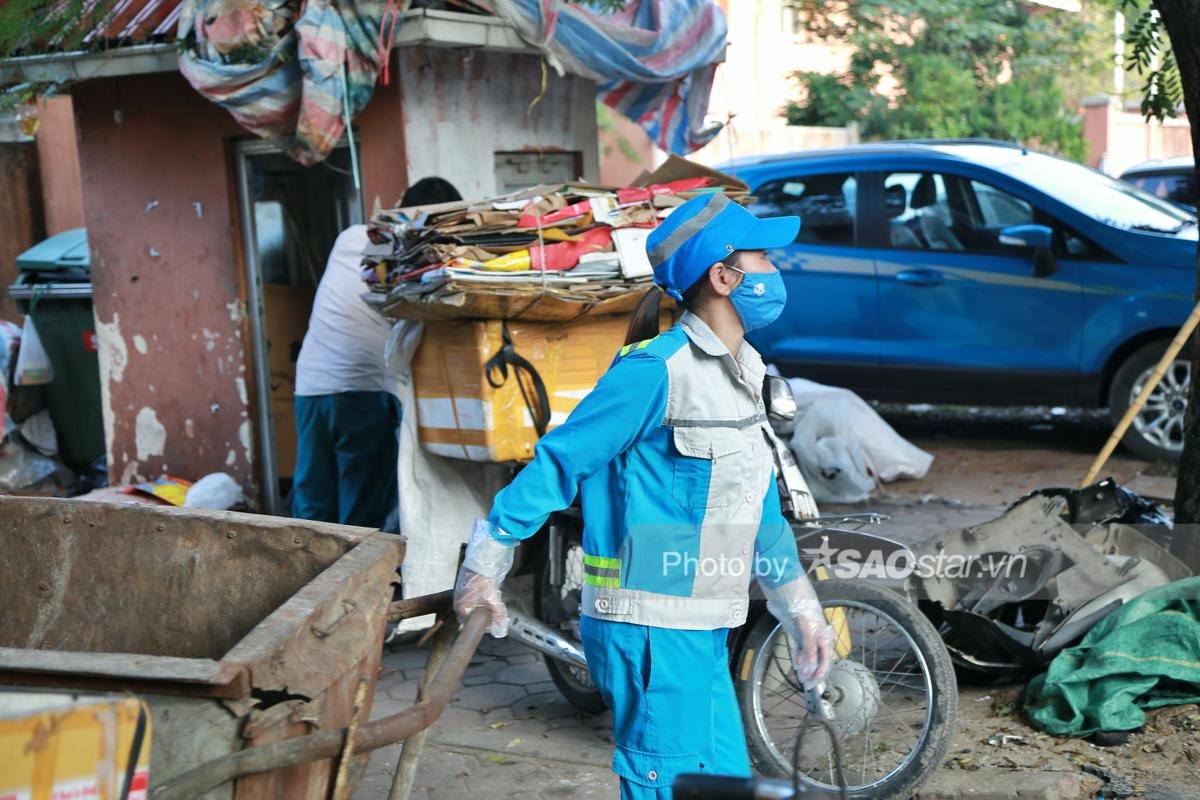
x=1144 y=655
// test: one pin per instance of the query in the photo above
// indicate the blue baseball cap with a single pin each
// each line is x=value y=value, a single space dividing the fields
x=705 y=230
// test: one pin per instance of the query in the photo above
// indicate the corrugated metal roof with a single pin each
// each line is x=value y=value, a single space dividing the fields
x=138 y=37
x=119 y=22
x=100 y=25
x=137 y=21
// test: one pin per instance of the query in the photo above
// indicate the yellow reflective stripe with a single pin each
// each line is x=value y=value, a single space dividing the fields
x=602 y=562
x=603 y=583
x=629 y=348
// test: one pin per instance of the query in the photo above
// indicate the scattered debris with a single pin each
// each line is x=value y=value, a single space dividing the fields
x=1012 y=593
x=1002 y=739
x=218 y=491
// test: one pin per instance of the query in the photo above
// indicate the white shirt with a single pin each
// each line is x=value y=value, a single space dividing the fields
x=343 y=349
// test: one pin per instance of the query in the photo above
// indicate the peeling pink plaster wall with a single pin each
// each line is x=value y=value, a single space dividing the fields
x=157 y=197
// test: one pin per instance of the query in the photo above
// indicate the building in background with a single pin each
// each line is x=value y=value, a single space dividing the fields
x=768 y=41
x=207 y=243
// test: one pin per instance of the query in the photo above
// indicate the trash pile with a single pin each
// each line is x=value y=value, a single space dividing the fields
x=28 y=441
x=1010 y=594
x=845 y=450
x=549 y=253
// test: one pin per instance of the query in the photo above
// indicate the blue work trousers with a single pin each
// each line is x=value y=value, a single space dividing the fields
x=674 y=709
x=345 y=458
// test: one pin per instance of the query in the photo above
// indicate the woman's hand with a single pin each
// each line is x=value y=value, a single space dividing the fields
x=813 y=652
x=473 y=590
x=486 y=564
x=796 y=605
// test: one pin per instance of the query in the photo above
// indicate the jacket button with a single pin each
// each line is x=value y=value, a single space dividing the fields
x=745 y=549
x=749 y=497
x=652 y=775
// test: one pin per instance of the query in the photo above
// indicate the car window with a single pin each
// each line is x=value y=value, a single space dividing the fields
x=1104 y=199
x=932 y=211
x=824 y=203
x=998 y=209
x=1176 y=188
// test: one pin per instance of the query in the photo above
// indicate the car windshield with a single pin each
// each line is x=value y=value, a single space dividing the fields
x=1102 y=198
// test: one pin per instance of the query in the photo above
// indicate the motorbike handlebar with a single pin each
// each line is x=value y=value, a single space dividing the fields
x=723 y=787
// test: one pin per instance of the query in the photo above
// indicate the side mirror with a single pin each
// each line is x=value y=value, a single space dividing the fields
x=1037 y=237
x=779 y=400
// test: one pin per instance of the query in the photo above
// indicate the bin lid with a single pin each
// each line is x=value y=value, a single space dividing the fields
x=63 y=251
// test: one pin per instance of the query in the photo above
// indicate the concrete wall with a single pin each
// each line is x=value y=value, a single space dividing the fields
x=158 y=204
x=1120 y=137
x=58 y=156
x=461 y=108
x=381 y=144
x=626 y=152
x=21 y=221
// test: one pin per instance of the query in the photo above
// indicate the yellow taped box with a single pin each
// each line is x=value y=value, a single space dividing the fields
x=62 y=746
x=461 y=416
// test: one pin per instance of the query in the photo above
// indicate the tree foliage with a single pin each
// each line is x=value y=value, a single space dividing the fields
x=1149 y=54
x=946 y=68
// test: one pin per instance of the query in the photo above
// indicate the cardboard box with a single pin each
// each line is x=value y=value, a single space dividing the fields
x=460 y=415
x=58 y=745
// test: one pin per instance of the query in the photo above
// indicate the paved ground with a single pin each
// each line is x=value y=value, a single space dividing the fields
x=508 y=734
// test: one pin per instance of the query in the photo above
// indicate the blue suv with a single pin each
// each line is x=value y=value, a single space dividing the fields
x=979 y=272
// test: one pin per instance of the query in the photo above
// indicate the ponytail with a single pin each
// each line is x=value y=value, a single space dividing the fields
x=643 y=322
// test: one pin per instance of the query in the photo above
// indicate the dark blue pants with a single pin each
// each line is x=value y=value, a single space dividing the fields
x=345 y=458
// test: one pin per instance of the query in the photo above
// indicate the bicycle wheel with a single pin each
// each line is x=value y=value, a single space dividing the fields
x=891 y=688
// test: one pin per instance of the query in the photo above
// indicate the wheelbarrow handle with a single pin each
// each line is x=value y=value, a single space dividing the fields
x=328 y=744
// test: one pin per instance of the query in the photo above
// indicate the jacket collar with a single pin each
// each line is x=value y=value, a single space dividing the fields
x=747 y=366
x=702 y=335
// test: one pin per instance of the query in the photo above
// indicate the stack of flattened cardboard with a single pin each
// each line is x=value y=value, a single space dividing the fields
x=549 y=253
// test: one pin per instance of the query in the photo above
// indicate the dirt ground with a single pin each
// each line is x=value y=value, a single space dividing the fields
x=1160 y=762
x=985 y=459
x=988 y=456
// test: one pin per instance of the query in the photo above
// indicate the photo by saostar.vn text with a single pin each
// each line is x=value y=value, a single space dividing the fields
x=847 y=563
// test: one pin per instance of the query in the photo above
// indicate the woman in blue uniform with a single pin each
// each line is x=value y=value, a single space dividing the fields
x=670 y=455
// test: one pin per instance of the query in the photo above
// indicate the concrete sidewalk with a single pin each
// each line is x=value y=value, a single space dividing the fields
x=509 y=735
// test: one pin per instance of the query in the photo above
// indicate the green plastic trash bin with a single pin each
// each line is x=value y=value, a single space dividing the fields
x=55 y=288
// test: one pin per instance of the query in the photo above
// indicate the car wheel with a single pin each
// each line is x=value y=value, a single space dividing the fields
x=1157 y=430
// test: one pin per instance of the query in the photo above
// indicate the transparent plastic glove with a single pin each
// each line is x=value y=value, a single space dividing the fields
x=796 y=606
x=483 y=570
x=814 y=646
x=473 y=590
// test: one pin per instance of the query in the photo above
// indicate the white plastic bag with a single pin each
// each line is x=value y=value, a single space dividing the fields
x=21 y=467
x=33 y=364
x=844 y=448
x=218 y=491
x=39 y=433
x=440 y=497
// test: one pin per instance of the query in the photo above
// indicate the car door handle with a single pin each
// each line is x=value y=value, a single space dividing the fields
x=920 y=277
